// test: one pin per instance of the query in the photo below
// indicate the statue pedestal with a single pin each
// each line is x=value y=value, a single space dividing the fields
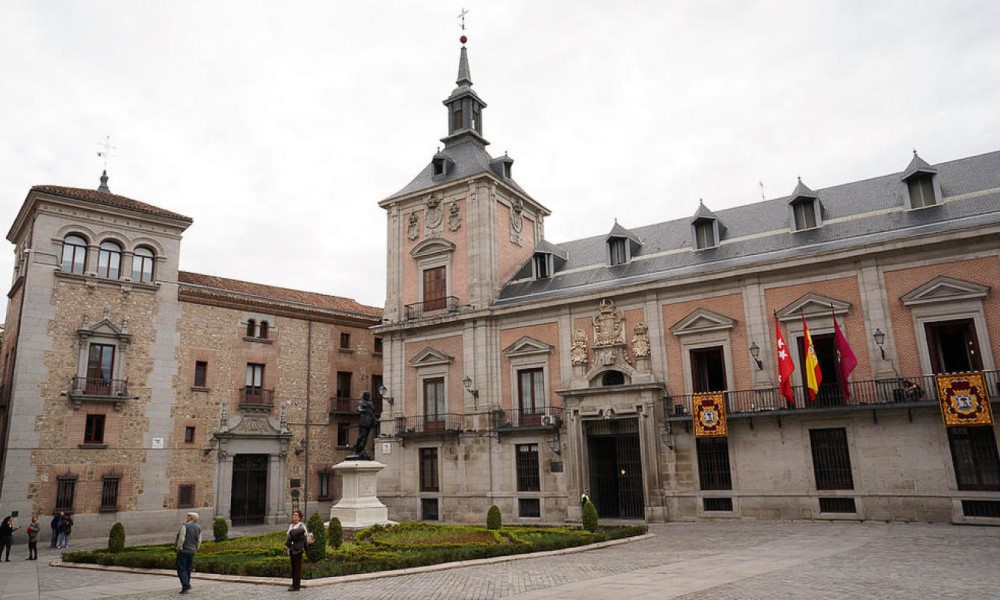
x=358 y=506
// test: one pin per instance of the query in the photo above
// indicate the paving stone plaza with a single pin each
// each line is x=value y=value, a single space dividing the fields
x=689 y=561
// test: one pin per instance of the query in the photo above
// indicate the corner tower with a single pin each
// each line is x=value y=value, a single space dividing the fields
x=463 y=225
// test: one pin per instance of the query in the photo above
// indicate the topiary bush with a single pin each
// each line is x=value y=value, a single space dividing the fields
x=336 y=533
x=493 y=518
x=316 y=551
x=116 y=541
x=589 y=516
x=220 y=529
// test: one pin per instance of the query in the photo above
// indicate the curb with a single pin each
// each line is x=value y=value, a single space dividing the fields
x=325 y=581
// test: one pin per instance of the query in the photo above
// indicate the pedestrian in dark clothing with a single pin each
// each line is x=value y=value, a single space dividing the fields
x=56 y=524
x=65 y=528
x=7 y=530
x=188 y=542
x=32 y=530
x=295 y=541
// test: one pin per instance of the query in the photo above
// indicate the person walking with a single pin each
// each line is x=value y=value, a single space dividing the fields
x=7 y=530
x=187 y=543
x=56 y=524
x=33 y=528
x=65 y=528
x=295 y=541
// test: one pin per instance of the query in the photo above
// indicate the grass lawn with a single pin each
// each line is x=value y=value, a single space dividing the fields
x=378 y=548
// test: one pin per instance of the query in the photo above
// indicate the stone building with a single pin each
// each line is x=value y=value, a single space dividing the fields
x=521 y=372
x=134 y=392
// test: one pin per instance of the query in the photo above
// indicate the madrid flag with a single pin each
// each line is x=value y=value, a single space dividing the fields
x=845 y=357
x=785 y=366
x=814 y=376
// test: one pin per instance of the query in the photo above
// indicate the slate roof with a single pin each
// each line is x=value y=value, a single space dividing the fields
x=106 y=199
x=470 y=158
x=760 y=232
x=222 y=288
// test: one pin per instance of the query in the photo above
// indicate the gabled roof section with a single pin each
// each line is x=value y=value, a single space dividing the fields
x=108 y=199
x=430 y=357
x=703 y=213
x=701 y=320
x=527 y=346
x=546 y=247
x=944 y=289
x=802 y=192
x=221 y=288
x=813 y=304
x=917 y=165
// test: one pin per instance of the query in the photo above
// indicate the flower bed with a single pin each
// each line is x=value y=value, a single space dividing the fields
x=378 y=548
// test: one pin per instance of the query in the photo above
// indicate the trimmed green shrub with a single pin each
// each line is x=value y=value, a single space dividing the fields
x=493 y=518
x=316 y=551
x=116 y=541
x=589 y=516
x=336 y=533
x=220 y=529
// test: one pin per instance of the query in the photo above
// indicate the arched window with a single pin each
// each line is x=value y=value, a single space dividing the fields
x=263 y=330
x=251 y=328
x=109 y=260
x=613 y=378
x=142 y=265
x=74 y=256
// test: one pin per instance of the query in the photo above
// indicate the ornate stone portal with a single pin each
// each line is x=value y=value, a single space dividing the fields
x=359 y=506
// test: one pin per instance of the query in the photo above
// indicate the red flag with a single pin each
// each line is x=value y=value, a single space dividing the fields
x=845 y=357
x=785 y=366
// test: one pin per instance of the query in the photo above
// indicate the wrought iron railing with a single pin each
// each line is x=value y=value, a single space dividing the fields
x=111 y=388
x=256 y=398
x=918 y=389
x=513 y=418
x=442 y=422
x=343 y=406
x=431 y=307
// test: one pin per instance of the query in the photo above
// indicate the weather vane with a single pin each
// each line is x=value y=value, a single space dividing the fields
x=461 y=17
x=106 y=150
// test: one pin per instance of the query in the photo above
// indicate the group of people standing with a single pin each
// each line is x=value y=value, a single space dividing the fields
x=7 y=529
x=62 y=527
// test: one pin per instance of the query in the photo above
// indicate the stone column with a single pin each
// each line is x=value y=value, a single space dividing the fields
x=223 y=484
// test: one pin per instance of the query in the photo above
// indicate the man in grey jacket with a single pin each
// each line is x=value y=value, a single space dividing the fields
x=188 y=541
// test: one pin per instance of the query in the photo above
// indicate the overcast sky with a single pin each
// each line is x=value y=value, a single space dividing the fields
x=278 y=126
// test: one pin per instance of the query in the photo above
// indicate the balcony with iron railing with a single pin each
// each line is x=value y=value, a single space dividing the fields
x=254 y=399
x=507 y=419
x=343 y=406
x=431 y=308
x=900 y=392
x=84 y=389
x=436 y=424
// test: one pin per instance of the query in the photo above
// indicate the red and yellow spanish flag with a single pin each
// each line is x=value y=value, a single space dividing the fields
x=814 y=376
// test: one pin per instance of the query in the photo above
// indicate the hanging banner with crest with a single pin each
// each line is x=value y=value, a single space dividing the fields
x=964 y=400
x=709 y=415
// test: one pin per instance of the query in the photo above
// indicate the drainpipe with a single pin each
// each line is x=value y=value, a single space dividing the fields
x=305 y=493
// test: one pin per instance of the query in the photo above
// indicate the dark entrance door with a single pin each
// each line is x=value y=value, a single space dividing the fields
x=616 y=469
x=249 y=499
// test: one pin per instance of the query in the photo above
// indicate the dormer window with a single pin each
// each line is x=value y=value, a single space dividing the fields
x=617 y=251
x=439 y=165
x=506 y=169
x=921 y=189
x=704 y=234
x=804 y=213
x=542 y=266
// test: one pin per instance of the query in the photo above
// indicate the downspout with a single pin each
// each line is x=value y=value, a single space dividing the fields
x=309 y=335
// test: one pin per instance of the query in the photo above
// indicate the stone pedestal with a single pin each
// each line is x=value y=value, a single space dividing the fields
x=358 y=506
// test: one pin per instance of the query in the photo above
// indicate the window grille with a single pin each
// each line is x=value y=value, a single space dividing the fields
x=185 y=495
x=65 y=492
x=981 y=508
x=527 y=468
x=837 y=505
x=429 y=470
x=974 y=454
x=713 y=463
x=717 y=504
x=109 y=492
x=529 y=508
x=831 y=459
x=429 y=509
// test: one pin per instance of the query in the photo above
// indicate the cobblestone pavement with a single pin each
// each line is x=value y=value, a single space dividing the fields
x=688 y=561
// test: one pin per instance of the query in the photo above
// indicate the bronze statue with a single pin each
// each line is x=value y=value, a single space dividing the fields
x=365 y=423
